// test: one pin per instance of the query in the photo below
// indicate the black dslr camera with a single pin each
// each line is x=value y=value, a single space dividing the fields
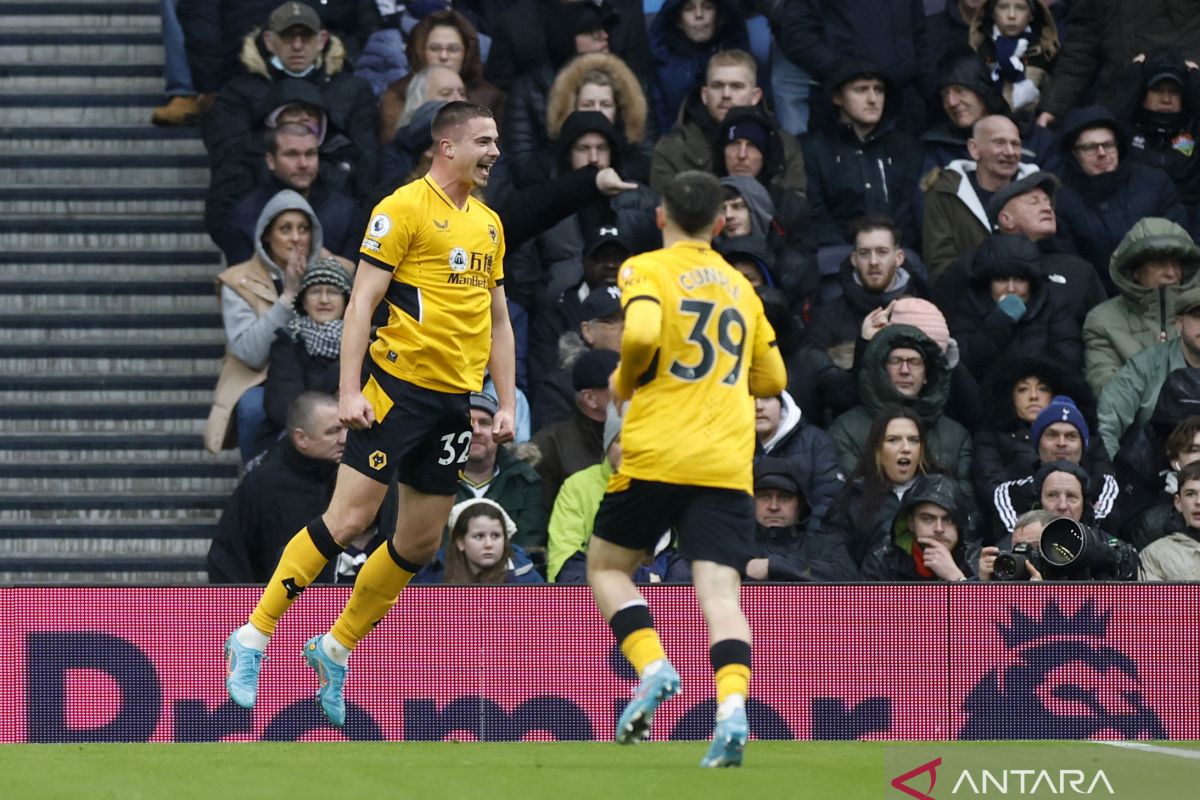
x=1069 y=551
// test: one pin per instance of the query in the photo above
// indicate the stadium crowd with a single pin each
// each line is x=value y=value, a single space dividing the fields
x=973 y=232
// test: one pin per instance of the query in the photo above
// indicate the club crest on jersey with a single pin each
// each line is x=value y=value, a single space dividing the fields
x=492 y=232
x=458 y=260
x=380 y=225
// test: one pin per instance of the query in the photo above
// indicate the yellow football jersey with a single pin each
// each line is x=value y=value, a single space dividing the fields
x=444 y=262
x=691 y=419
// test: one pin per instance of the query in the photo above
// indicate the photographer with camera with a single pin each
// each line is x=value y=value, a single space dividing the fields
x=1026 y=538
x=1176 y=556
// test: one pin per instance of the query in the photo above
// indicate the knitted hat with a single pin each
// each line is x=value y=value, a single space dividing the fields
x=923 y=315
x=752 y=131
x=323 y=272
x=592 y=369
x=1061 y=409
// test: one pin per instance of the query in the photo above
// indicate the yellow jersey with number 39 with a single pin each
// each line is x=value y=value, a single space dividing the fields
x=691 y=418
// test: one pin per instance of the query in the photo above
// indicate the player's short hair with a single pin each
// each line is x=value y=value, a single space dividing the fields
x=455 y=113
x=692 y=200
x=271 y=137
x=876 y=222
x=733 y=58
x=302 y=411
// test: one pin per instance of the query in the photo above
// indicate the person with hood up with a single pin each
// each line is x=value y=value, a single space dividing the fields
x=1104 y=193
x=1152 y=455
x=751 y=216
x=1007 y=310
x=1017 y=43
x=1159 y=107
x=861 y=163
x=602 y=82
x=553 y=261
x=784 y=435
x=480 y=550
x=788 y=545
x=902 y=365
x=749 y=142
x=1153 y=264
x=949 y=31
x=683 y=36
x=1018 y=389
x=294 y=44
x=286 y=239
x=929 y=536
x=447 y=38
x=894 y=455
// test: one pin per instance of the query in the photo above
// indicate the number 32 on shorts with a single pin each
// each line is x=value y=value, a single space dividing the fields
x=448 y=446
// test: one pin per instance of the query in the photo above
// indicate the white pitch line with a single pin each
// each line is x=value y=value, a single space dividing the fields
x=1154 y=748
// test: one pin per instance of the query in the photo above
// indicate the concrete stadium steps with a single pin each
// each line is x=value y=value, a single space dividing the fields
x=108 y=308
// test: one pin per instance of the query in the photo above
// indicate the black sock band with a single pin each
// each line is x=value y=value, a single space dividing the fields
x=630 y=619
x=402 y=562
x=322 y=539
x=729 y=651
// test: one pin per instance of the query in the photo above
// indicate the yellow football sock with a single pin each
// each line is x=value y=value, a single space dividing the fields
x=642 y=647
x=302 y=560
x=732 y=679
x=379 y=583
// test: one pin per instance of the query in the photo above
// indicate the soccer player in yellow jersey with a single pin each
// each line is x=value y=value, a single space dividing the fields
x=435 y=253
x=696 y=350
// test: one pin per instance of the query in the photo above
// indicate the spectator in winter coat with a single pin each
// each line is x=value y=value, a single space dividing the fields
x=1154 y=263
x=1103 y=37
x=1152 y=454
x=1062 y=436
x=1159 y=108
x=281 y=491
x=787 y=544
x=929 y=536
x=257 y=298
x=904 y=366
x=749 y=142
x=893 y=456
x=1017 y=43
x=1007 y=310
x=957 y=197
x=860 y=163
x=601 y=82
x=1103 y=192
x=295 y=45
x=1176 y=556
x=445 y=38
x=480 y=550
x=1017 y=391
x=304 y=355
x=783 y=435
x=683 y=36
x=1128 y=399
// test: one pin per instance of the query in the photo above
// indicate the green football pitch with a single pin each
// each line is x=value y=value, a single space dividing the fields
x=528 y=770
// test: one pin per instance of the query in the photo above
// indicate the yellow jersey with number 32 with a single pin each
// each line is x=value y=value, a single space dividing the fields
x=444 y=262
x=691 y=418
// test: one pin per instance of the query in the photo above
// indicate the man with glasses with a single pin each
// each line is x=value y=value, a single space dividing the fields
x=1104 y=193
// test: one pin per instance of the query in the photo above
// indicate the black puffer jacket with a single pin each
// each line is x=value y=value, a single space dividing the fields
x=849 y=177
x=1003 y=450
x=985 y=333
x=862 y=529
x=1096 y=211
x=800 y=554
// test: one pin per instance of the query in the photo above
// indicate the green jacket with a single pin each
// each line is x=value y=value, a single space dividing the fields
x=1123 y=326
x=949 y=443
x=574 y=515
x=518 y=490
x=1128 y=400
